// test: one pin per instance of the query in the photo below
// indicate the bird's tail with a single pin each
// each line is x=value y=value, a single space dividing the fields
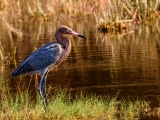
x=15 y=73
x=22 y=69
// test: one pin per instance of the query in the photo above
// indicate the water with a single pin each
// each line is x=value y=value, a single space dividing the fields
x=104 y=64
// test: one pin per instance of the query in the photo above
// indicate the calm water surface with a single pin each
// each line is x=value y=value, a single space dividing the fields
x=103 y=64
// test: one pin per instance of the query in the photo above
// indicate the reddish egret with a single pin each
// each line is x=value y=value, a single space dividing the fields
x=46 y=57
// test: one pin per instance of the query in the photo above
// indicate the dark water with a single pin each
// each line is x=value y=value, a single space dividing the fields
x=128 y=62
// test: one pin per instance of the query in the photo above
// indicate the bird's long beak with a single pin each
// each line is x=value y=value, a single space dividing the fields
x=76 y=34
x=82 y=36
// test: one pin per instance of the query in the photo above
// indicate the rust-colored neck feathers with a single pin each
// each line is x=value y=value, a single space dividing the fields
x=62 y=40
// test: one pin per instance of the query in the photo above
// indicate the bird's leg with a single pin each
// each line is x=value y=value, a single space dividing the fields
x=44 y=88
x=39 y=89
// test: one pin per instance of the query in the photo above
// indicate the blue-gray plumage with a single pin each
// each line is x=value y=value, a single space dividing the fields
x=46 y=57
x=40 y=59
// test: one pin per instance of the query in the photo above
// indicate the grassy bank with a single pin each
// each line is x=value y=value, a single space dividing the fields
x=61 y=106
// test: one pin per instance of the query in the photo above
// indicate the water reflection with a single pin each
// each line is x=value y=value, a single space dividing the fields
x=103 y=64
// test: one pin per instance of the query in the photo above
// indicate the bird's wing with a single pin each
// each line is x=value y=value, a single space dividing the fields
x=40 y=59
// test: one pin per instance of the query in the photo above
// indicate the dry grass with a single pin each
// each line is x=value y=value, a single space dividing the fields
x=111 y=10
x=119 y=15
x=111 y=15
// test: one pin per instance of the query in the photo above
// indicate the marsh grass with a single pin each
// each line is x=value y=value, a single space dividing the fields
x=110 y=15
x=118 y=15
x=21 y=105
x=112 y=9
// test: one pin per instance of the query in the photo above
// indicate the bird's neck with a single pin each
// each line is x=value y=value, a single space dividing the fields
x=62 y=40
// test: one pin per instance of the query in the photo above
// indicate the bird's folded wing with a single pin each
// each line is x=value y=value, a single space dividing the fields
x=39 y=59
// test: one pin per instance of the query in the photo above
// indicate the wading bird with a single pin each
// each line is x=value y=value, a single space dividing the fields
x=46 y=57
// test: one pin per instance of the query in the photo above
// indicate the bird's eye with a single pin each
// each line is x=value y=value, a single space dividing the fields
x=68 y=31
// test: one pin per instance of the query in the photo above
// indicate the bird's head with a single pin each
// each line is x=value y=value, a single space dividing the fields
x=67 y=30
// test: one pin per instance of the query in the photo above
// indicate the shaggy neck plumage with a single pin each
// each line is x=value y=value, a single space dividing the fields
x=62 y=40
